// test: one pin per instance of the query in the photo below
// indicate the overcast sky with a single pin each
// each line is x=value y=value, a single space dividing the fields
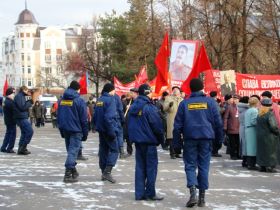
x=56 y=12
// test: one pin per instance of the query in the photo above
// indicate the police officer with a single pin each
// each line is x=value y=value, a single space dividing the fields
x=105 y=120
x=199 y=120
x=23 y=102
x=120 y=123
x=8 y=110
x=145 y=129
x=73 y=125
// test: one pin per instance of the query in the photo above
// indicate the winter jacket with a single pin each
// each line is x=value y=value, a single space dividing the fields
x=171 y=112
x=251 y=132
x=72 y=113
x=105 y=115
x=267 y=140
x=144 y=123
x=198 y=118
x=38 y=111
x=8 y=111
x=242 y=108
x=119 y=107
x=22 y=105
x=231 y=121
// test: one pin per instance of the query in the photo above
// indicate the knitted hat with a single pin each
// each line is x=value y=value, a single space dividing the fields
x=75 y=85
x=267 y=94
x=144 y=90
x=10 y=91
x=196 y=85
x=213 y=94
x=266 y=102
x=227 y=97
x=108 y=87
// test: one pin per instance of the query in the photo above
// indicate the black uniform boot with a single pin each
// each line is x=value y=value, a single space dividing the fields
x=122 y=154
x=75 y=173
x=22 y=150
x=68 y=178
x=106 y=175
x=201 y=198
x=26 y=150
x=193 y=198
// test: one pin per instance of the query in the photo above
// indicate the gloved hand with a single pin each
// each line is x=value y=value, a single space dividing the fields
x=84 y=138
x=171 y=104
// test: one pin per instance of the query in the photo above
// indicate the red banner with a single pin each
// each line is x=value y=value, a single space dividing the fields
x=212 y=81
x=248 y=84
x=121 y=88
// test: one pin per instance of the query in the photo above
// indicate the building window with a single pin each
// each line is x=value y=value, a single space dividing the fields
x=22 y=81
x=48 y=70
x=22 y=68
x=28 y=57
x=48 y=58
x=47 y=45
x=22 y=44
x=58 y=54
x=21 y=35
x=29 y=82
x=59 y=69
x=29 y=69
x=22 y=57
x=28 y=44
x=27 y=34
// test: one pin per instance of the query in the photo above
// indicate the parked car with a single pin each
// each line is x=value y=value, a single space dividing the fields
x=48 y=100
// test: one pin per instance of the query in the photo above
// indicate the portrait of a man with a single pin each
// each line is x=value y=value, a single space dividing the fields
x=228 y=86
x=181 y=61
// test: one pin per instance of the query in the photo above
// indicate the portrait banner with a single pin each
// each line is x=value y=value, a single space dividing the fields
x=183 y=54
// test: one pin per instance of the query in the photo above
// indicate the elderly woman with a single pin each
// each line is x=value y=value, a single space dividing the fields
x=267 y=137
x=250 y=123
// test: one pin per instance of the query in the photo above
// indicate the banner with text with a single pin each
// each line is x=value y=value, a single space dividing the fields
x=248 y=84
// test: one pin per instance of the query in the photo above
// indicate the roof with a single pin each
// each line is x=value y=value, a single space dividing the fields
x=26 y=17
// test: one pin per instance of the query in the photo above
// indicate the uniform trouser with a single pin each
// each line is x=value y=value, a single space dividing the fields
x=145 y=171
x=197 y=154
x=108 y=151
x=81 y=149
x=73 y=144
x=120 y=135
x=26 y=131
x=10 y=138
x=216 y=146
x=234 y=145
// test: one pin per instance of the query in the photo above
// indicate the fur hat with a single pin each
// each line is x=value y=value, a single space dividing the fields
x=75 y=85
x=266 y=102
x=213 y=94
x=227 y=97
x=10 y=91
x=196 y=85
x=267 y=94
x=108 y=87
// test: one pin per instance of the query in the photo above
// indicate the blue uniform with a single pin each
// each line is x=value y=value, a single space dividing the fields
x=105 y=120
x=22 y=105
x=145 y=129
x=73 y=124
x=120 y=120
x=10 y=122
x=199 y=120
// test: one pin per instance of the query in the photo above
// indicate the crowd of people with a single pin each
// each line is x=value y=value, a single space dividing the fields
x=191 y=127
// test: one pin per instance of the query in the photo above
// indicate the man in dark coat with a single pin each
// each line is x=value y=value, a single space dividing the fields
x=105 y=120
x=73 y=125
x=23 y=102
x=199 y=120
x=145 y=129
x=10 y=122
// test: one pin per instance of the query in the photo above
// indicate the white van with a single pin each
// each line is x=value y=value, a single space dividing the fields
x=48 y=100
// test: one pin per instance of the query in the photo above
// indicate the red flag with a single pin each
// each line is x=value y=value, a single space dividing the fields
x=142 y=77
x=5 y=87
x=161 y=62
x=83 y=84
x=201 y=64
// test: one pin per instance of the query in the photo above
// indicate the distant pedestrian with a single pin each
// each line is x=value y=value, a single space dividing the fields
x=199 y=120
x=38 y=112
x=73 y=125
x=10 y=122
x=23 y=102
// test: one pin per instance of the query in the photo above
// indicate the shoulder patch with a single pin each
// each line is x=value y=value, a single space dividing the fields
x=99 y=103
x=140 y=113
x=66 y=103
x=197 y=106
